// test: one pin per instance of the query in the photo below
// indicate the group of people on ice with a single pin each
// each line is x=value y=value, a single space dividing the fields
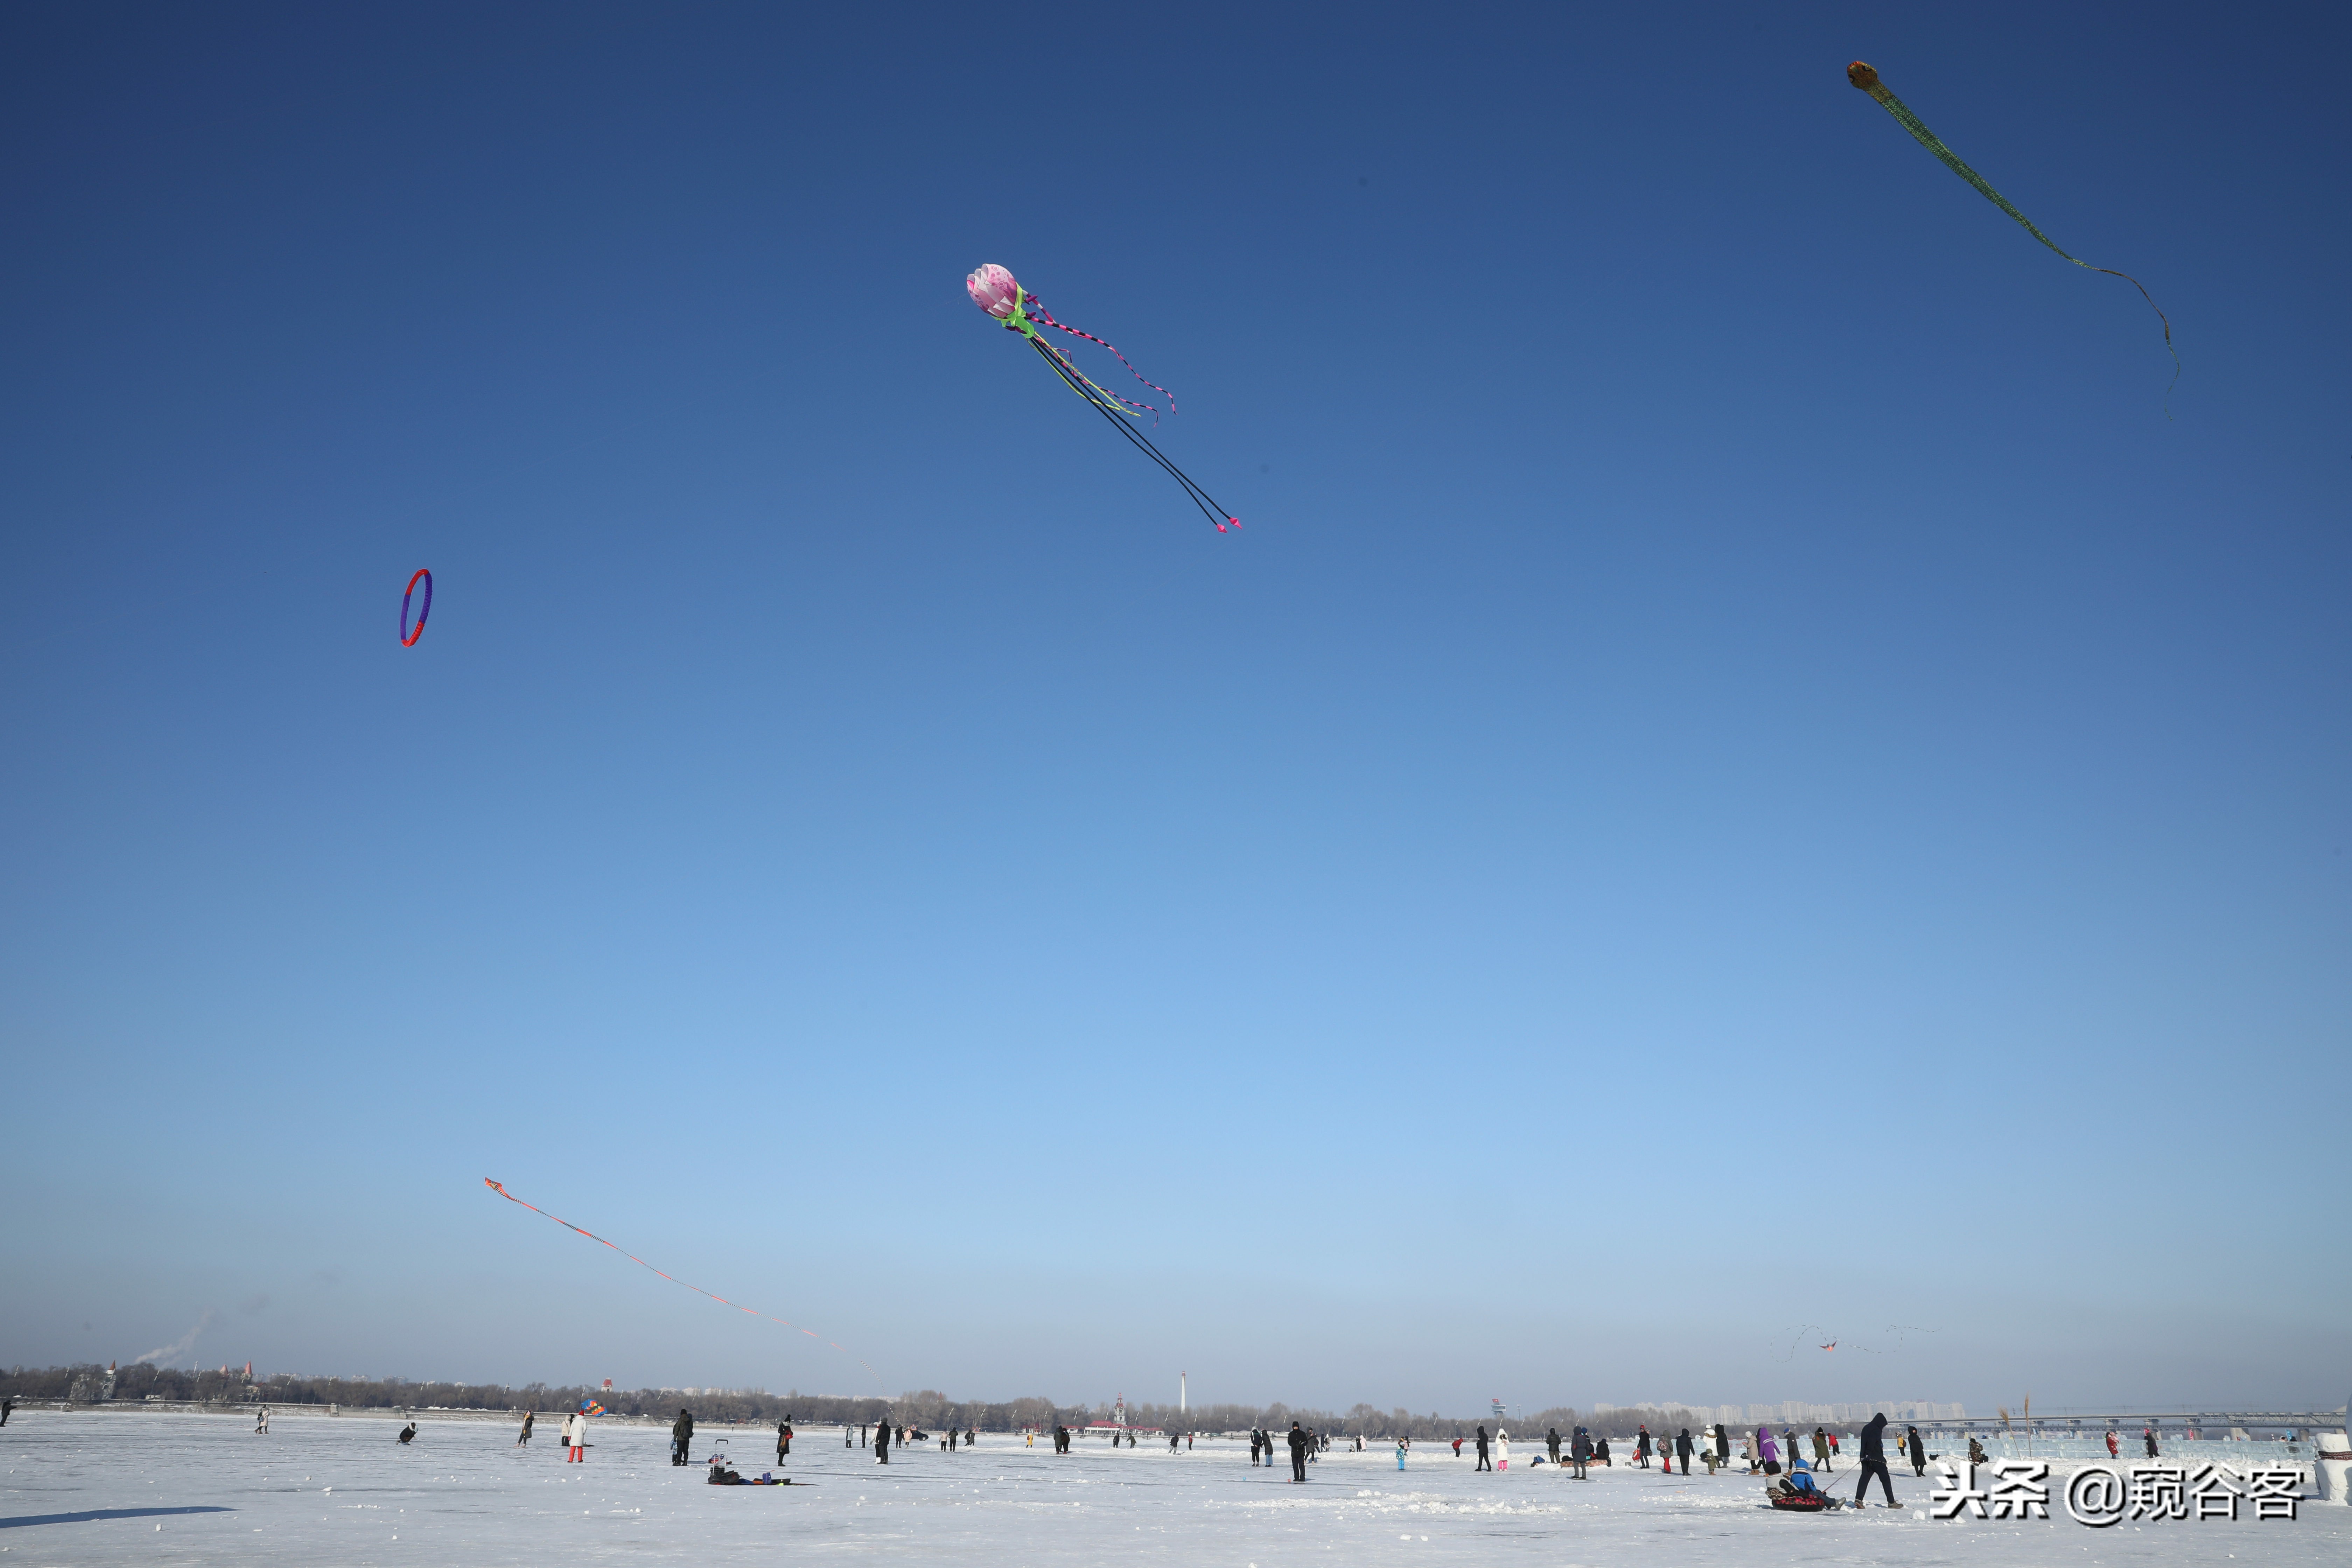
x=1778 y=1456
x=1305 y=1447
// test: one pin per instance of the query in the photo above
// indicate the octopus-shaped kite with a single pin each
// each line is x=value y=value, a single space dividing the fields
x=992 y=288
x=1867 y=80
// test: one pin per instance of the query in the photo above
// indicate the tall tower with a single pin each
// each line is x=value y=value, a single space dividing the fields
x=1181 y=1392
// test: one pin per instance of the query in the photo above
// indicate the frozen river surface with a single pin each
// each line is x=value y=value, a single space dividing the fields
x=142 y=1488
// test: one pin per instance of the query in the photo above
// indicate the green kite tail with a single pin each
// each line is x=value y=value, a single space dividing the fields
x=1862 y=77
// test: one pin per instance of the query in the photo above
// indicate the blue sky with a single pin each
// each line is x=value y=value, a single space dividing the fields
x=1742 y=773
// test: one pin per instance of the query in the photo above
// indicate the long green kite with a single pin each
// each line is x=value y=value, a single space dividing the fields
x=1862 y=77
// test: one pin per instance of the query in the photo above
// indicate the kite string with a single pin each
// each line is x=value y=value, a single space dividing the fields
x=1953 y=161
x=500 y=1189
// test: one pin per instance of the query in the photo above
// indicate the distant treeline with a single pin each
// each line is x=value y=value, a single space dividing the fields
x=926 y=1408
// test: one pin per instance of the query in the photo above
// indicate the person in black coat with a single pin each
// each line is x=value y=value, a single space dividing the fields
x=1917 y=1450
x=681 y=1437
x=881 y=1444
x=408 y=1433
x=1580 y=1452
x=1483 y=1464
x=1683 y=1449
x=783 y=1438
x=1873 y=1461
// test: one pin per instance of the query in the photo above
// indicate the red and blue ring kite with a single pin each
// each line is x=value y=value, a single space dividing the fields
x=408 y=637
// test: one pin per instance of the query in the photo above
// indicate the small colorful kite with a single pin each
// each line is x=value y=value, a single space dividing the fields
x=994 y=291
x=673 y=1278
x=1865 y=79
x=408 y=637
x=589 y=1407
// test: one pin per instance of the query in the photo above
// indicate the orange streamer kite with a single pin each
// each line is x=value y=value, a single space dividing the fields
x=500 y=1189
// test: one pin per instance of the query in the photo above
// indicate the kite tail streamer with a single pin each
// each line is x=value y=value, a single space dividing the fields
x=1047 y=317
x=1018 y=321
x=1079 y=384
x=1860 y=74
x=673 y=1278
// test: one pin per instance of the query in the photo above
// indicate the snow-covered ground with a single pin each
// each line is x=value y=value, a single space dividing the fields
x=118 y=1487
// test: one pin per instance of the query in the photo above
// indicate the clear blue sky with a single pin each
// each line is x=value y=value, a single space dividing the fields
x=1742 y=773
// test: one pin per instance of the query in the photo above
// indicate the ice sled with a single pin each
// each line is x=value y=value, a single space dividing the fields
x=1795 y=1493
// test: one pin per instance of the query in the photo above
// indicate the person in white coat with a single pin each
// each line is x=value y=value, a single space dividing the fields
x=1502 y=1449
x=570 y=1435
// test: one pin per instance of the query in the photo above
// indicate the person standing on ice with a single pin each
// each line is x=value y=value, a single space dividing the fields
x=1297 y=1454
x=2147 y=1434
x=1917 y=1450
x=1873 y=1461
x=261 y=1423
x=783 y=1438
x=1683 y=1449
x=1722 y=1444
x=1502 y=1449
x=1580 y=1452
x=681 y=1437
x=1822 y=1450
x=1483 y=1463
x=881 y=1444
x=1768 y=1452
x=1642 y=1445
x=524 y=1441
x=1551 y=1444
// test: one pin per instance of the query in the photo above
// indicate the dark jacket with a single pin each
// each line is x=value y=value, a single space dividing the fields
x=683 y=1427
x=1297 y=1439
x=1580 y=1448
x=1722 y=1442
x=1482 y=1439
x=1873 y=1439
x=1683 y=1447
